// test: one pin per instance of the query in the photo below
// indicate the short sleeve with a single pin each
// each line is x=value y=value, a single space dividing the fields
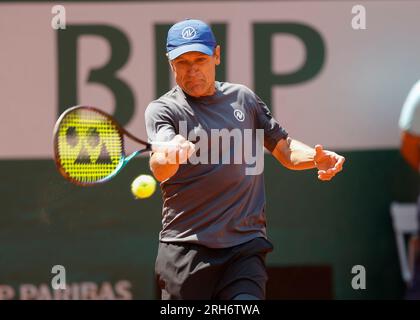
x=159 y=123
x=273 y=132
x=410 y=114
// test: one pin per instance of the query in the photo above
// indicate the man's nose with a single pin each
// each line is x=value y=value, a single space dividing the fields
x=193 y=68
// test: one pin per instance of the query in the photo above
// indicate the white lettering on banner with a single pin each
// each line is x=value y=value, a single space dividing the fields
x=6 y=292
x=28 y=292
x=121 y=290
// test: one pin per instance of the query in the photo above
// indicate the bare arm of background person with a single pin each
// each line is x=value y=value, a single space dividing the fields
x=296 y=155
x=410 y=149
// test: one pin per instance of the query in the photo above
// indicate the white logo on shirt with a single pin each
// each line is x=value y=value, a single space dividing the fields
x=188 y=33
x=239 y=115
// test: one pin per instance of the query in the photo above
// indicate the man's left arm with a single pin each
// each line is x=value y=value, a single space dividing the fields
x=291 y=153
x=296 y=155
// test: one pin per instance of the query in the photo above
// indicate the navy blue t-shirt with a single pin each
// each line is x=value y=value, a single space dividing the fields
x=217 y=198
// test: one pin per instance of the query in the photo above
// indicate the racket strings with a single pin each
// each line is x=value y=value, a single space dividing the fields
x=90 y=147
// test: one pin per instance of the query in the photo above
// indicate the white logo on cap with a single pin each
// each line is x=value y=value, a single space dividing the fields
x=188 y=33
x=239 y=115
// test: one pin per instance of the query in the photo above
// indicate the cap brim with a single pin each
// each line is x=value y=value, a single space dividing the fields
x=188 y=48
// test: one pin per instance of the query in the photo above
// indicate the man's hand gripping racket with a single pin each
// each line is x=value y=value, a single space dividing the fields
x=89 y=146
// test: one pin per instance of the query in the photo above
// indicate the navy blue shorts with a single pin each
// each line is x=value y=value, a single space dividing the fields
x=194 y=272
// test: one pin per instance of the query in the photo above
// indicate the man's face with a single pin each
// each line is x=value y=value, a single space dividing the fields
x=195 y=72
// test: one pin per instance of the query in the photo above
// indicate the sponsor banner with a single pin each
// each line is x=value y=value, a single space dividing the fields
x=103 y=235
x=328 y=77
x=72 y=291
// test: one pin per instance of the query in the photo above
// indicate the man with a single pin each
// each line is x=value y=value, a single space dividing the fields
x=410 y=149
x=213 y=240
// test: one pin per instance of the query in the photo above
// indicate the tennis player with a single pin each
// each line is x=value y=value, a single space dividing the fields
x=213 y=241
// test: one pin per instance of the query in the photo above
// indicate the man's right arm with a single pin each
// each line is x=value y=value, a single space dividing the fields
x=165 y=163
x=160 y=169
x=160 y=126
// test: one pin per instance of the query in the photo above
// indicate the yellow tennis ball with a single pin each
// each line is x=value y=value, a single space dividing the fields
x=143 y=186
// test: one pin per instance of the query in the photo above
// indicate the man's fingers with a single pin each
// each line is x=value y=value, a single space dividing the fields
x=336 y=169
x=179 y=150
x=318 y=149
x=326 y=175
x=191 y=149
x=171 y=154
x=335 y=164
x=338 y=166
x=186 y=149
x=340 y=162
x=325 y=178
x=160 y=158
x=180 y=139
x=319 y=153
x=182 y=155
x=330 y=170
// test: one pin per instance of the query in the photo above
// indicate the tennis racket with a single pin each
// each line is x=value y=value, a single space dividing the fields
x=89 y=146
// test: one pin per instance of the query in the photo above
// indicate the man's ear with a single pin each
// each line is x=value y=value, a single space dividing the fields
x=171 y=65
x=217 y=55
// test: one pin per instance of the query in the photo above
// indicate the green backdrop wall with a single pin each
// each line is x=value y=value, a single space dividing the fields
x=101 y=234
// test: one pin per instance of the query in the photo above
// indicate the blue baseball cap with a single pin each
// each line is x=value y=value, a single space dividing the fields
x=190 y=35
